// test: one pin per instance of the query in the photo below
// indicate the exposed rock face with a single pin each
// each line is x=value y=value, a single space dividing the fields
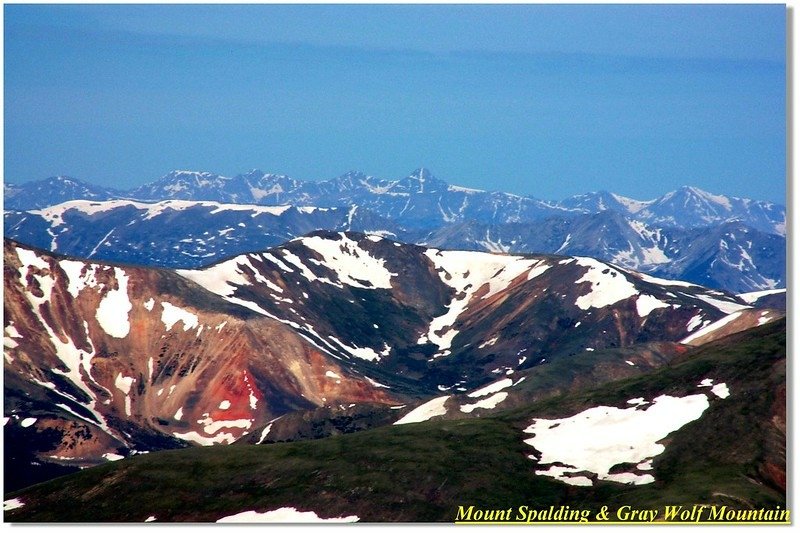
x=115 y=359
x=112 y=359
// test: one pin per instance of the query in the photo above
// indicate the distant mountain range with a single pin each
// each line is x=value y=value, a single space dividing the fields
x=418 y=201
x=197 y=218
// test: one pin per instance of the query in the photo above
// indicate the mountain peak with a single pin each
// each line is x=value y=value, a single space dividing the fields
x=353 y=174
x=422 y=174
x=420 y=180
x=691 y=189
x=191 y=174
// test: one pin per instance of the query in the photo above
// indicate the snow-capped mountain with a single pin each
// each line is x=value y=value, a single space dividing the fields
x=686 y=207
x=190 y=185
x=686 y=234
x=692 y=207
x=184 y=234
x=177 y=233
x=729 y=256
x=120 y=359
x=417 y=201
x=595 y=202
x=52 y=191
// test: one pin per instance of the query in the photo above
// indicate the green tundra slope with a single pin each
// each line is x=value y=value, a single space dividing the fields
x=733 y=454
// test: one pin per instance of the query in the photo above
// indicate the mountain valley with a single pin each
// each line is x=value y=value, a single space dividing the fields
x=313 y=345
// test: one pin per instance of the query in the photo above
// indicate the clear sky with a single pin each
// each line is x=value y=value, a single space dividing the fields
x=548 y=101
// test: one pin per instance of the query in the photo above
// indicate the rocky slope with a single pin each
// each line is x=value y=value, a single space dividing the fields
x=709 y=429
x=105 y=360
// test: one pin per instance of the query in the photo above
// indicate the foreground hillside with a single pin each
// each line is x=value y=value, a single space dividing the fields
x=726 y=446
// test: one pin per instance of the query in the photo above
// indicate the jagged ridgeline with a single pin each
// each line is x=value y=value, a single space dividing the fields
x=191 y=219
x=357 y=349
x=107 y=360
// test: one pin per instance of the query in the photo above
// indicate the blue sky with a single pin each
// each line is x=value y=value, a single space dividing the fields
x=548 y=101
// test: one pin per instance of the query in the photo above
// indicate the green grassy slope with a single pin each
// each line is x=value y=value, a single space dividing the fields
x=732 y=455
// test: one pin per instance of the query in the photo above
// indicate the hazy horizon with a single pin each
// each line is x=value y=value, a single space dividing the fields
x=546 y=101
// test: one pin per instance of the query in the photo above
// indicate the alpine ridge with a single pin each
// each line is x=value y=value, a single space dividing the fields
x=416 y=201
x=729 y=243
x=107 y=360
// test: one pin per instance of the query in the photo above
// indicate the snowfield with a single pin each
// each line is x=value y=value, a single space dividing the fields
x=599 y=438
x=283 y=515
x=353 y=265
x=608 y=285
x=467 y=273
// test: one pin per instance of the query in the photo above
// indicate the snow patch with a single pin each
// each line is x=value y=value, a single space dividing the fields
x=266 y=430
x=608 y=285
x=598 y=438
x=193 y=436
x=490 y=342
x=753 y=297
x=723 y=305
x=721 y=390
x=487 y=403
x=124 y=383
x=646 y=303
x=283 y=515
x=172 y=314
x=491 y=388
x=426 y=411
x=11 y=333
x=10 y=505
x=212 y=426
x=695 y=322
x=662 y=281
x=711 y=328
x=376 y=384
x=112 y=313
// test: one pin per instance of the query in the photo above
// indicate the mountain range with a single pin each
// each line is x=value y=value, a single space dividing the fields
x=105 y=361
x=260 y=348
x=183 y=221
x=417 y=201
